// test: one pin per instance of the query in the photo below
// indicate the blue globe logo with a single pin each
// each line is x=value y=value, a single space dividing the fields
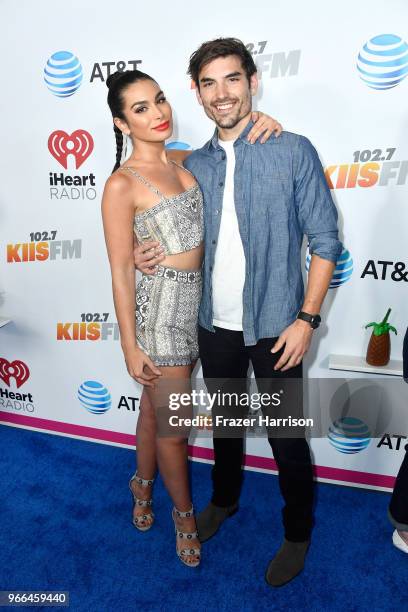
x=383 y=61
x=95 y=397
x=63 y=74
x=343 y=270
x=349 y=435
x=176 y=144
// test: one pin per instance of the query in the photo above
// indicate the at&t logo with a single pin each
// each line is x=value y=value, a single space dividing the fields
x=349 y=435
x=382 y=270
x=102 y=70
x=383 y=61
x=63 y=74
x=94 y=397
x=177 y=144
x=343 y=270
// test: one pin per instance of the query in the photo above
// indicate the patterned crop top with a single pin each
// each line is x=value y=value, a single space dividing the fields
x=176 y=222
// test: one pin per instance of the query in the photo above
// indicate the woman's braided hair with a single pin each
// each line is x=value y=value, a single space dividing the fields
x=117 y=83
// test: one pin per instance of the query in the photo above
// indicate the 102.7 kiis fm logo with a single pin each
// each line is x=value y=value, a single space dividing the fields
x=369 y=168
x=92 y=326
x=273 y=65
x=73 y=149
x=43 y=246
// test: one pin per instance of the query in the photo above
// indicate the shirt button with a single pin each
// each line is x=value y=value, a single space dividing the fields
x=221 y=183
x=211 y=268
x=216 y=211
x=223 y=156
x=214 y=241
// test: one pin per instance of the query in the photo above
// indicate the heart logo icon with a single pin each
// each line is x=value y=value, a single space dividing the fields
x=80 y=144
x=13 y=369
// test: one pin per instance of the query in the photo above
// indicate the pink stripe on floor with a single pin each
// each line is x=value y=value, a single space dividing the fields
x=199 y=452
x=321 y=471
x=68 y=428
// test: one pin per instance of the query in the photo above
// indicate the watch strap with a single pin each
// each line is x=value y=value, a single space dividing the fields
x=313 y=320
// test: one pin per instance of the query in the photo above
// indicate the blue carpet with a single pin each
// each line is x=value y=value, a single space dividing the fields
x=65 y=524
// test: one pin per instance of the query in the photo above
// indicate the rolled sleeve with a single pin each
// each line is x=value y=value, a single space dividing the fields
x=317 y=214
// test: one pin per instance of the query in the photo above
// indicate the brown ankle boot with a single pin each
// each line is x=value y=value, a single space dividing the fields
x=211 y=519
x=287 y=563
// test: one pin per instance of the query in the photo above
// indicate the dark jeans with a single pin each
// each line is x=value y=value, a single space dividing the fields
x=225 y=361
x=398 y=510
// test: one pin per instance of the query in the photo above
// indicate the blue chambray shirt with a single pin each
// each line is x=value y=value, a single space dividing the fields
x=280 y=194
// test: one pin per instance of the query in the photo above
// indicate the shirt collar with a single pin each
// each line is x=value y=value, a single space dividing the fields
x=213 y=143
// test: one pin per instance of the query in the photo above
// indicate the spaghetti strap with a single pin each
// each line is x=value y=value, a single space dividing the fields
x=143 y=180
x=180 y=166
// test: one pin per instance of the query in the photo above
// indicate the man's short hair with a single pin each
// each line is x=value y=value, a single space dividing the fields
x=220 y=47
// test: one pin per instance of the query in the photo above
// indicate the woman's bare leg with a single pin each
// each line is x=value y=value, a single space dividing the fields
x=146 y=455
x=146 y=438
x=172 y=451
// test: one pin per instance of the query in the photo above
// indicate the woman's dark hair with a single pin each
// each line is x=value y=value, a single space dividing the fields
x=117 y=83
x=220 y=47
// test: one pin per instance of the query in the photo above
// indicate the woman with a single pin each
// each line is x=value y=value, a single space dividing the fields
x=153 y=196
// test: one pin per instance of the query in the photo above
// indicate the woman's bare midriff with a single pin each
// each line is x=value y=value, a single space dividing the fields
x=189 y=260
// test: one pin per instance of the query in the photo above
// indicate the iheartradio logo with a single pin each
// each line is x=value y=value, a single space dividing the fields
x=14 y=369
x=79 y=144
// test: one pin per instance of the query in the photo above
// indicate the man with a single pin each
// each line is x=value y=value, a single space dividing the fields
x=259 y=201
x=398 y=508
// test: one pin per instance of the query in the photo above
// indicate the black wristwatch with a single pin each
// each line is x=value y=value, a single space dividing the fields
x=313 y=320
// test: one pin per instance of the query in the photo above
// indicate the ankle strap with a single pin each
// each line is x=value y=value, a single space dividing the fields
x=142 y=481
x=187 y=535
x=184 y=514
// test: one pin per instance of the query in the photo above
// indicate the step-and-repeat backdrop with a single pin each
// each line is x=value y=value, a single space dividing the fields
x=333 y=73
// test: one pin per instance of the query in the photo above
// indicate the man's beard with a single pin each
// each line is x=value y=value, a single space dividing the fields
x=229 y=122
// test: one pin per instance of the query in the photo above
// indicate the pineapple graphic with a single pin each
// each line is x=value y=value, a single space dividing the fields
x=379 y=347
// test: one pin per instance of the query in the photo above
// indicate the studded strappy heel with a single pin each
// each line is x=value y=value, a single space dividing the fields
x=184 y=553
x=145 y=503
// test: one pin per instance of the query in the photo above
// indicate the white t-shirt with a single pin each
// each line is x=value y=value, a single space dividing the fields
x=228 y=275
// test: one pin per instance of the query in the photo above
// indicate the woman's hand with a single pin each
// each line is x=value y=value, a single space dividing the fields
x=265 y=125
x=141 y=367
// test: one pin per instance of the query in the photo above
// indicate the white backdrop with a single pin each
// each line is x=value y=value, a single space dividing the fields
x=307 y=55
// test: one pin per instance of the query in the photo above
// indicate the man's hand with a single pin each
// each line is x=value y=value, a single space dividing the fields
x=296 y=339
x=264 y=124
x=147 y=256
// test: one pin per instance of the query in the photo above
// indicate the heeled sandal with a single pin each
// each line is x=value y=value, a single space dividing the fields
x=145 y=503
x=186 y=552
